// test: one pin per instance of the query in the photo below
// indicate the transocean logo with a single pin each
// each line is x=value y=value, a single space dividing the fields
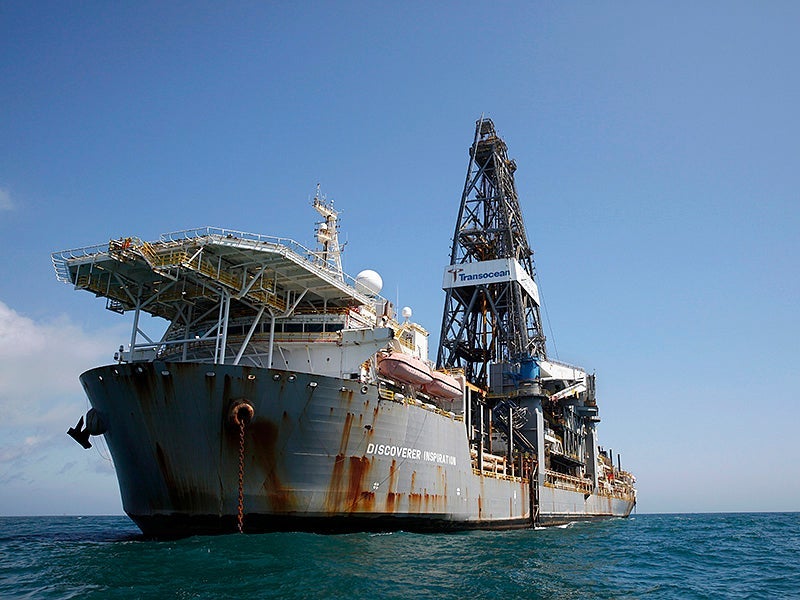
x=455 y=271
x=479 y=276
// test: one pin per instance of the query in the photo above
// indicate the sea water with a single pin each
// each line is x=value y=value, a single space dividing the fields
x=754 y=555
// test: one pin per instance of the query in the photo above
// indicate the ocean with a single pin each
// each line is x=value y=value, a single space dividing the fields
x=752 y=555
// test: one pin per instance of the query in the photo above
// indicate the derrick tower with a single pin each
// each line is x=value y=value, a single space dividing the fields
x=491 y=311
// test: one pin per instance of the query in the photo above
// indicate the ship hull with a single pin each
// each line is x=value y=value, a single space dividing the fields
x=557 y=507
x=319 y=454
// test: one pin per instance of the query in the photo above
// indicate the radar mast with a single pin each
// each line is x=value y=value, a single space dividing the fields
x=327 y=234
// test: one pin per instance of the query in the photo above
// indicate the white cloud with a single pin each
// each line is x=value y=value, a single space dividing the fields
x=41 y=396
x=5 y=200
x=40 y=363
x=12 y=452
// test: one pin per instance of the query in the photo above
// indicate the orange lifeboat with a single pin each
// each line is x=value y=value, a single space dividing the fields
x=442 y=386
x=405 y=368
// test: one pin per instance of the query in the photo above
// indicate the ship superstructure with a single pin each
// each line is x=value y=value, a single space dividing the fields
x=285 y=394
x=232 y=297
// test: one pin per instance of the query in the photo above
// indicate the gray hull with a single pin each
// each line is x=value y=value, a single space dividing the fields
x=320 y=454
x=557 y=507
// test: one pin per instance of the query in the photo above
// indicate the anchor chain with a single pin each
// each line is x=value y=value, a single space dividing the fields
x=240 y=515
x=239 y=415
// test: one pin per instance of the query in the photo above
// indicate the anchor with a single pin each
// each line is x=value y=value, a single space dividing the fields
x=95 y=425
x=80 y=434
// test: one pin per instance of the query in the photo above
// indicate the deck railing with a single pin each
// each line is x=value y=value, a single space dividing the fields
x=567 y=482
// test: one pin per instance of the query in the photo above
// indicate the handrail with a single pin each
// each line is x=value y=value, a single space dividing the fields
x=81 y=252
x=310 y=257
x=61 y=258
x=569 y=482
x=287 y=246
x=201 y=232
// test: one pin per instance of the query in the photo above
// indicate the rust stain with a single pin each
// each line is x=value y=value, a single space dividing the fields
x=335 y=489
x=359 y=466
x=346 y=493
x=393 y=476
x=367 y=501
x=414 y=503
x=525 y=499
x=263 y=435
x=434 y=502
x=480 y=498
x=348 y=424
x=391 y=500
x=391 y=496
x=348 y=396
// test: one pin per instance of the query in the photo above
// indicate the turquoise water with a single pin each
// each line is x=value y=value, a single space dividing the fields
x=646 y=556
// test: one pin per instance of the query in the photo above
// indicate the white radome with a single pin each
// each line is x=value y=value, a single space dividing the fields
x=369 y=282
x=406 y=312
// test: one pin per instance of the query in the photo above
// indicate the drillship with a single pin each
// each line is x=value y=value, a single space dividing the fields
x=285 y=395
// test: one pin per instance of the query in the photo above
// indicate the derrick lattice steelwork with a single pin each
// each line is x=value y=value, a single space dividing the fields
x=491 y=312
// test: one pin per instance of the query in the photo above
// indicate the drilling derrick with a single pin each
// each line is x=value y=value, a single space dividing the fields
x=491 y=312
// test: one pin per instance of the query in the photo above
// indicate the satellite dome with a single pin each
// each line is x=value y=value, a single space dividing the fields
x=369 y=282
x=406 y=312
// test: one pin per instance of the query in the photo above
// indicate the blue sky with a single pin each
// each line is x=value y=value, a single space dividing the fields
x=657 y=146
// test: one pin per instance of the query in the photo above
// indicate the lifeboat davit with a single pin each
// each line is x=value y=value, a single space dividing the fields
x=442 y=385
x=405 y=368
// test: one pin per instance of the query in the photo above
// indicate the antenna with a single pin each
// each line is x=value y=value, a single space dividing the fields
x=327 y=234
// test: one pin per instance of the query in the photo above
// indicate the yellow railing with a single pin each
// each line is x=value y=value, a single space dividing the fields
x=99 y=285
x=212 y=271
x=160 y=255
x=123 y=250
x=172 y=258
x=567 y=482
